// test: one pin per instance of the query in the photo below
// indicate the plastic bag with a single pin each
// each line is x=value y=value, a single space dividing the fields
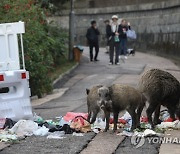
x=56 y=135
x=77 y=134
x=116 y=38
x=5 y=136
x=62 y=121
x=37 y=118
x=9 y=123
x=131 y=34
x=144 y=119
x=71 y=115
x=166 y=125
x=79 y=123
x=41 y=131
x=24 y=127
x=99 y=123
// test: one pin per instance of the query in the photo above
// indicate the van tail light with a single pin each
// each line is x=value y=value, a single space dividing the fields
x=23 y=75
x=1 y=77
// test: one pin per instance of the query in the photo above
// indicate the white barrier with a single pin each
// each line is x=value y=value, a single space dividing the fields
x=15 y=101
x=9 y=50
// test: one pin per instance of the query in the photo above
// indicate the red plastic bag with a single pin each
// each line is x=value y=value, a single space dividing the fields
x=168 y=120
x=144 y=119
x=122 y=121
x=111 y=120
x=79 y=123
x=71 y=115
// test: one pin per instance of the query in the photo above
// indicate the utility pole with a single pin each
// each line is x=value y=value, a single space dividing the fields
x=71 y=30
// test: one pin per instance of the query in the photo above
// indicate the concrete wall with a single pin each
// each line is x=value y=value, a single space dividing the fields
x=157 y=24
x=107 y=3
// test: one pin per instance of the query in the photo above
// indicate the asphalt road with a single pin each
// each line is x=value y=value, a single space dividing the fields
x=85 y=76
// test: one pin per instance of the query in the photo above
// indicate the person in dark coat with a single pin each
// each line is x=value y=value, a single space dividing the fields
x=114 y=42
x=93 y=40
x=123 y=27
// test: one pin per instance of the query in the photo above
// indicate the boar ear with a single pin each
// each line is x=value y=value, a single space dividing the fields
x=87 y=91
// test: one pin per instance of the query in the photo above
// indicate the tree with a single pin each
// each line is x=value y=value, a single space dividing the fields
x=41 y=45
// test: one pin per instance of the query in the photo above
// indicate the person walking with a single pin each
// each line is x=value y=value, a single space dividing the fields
x=93 y=41
x=114 y=42
x=108 y=27
x=123 y=27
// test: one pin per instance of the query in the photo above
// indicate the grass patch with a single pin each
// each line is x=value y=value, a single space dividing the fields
x=61 y=68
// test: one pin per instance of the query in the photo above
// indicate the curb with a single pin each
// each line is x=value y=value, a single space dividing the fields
x=64 y=74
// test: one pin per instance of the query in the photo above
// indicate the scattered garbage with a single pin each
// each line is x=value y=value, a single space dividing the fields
x=24 y=128
x=147 y=133
x=2 y=122
x=126 y=133
x=145 y=125
x=126 y=116
x=62 y=121
x=51 y=122
x=67 y=129
x=9 y=123
x=144 y=119
x=71 y=115
x=76 y=124
x=79 y=123
x=99 y=124
x=56 y=135
x=77 y=134
x=96 y=130
x=41 y=131
x=6 y=123
x=37 y=118
x=164 y=115
x=5 y=136
x=166 y=125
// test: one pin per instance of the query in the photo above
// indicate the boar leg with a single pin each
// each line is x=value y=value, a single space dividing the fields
x=103 y=117
x=94 y=116
x=107 y=115
x=156 y=115
x=116 y=113
x=134 y=118
x=139 y=111
x=151 y=108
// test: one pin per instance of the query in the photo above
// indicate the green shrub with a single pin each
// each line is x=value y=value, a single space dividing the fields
x=43 y=45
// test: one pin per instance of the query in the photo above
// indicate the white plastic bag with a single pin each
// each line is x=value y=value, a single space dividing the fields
x=24 y=127
x=56 y=135
x=166 y=125
x=131 y=34
x=42 y=131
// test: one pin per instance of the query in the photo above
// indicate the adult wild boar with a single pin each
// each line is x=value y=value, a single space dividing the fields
x=119 y=97
x=160 y=88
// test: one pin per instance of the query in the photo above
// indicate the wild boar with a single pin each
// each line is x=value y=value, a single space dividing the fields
x=117 y=98
x=92 y=103
x=160 y=88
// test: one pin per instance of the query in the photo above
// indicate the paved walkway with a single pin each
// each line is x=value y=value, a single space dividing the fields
x=72 y=97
